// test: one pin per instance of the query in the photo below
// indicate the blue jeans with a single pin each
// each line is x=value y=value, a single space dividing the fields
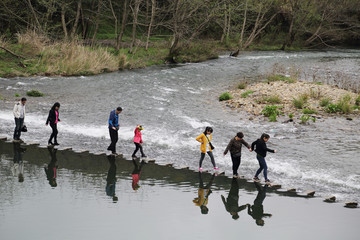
x=263 y=166
x=18 y=125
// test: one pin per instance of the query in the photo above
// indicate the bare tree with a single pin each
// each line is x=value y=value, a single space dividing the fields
x=135 y=11
x=153 y=8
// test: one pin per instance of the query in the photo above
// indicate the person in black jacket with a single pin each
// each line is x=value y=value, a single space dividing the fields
x=261 y=149
x=53 y=119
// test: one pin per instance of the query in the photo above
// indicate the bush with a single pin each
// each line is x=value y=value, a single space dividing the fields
x=241 y=86
x=272 y=99
x=344 y=104
x=245 y=94
x=272 y=118
x=300 y=101
x=34 y=93
x=271 y=110
x=324 y=102
x=304 y=118
x=357 y=101
x=277 y=77
x=225 y=96
x=291 y=116
x=308 y=111
x=332 y=108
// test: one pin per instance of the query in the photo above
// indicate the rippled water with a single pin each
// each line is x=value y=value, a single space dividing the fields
x=175 y=103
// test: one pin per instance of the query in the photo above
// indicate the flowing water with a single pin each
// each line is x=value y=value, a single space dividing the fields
x=175 y=103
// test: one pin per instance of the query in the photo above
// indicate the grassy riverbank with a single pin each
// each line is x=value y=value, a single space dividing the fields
x=32 y=55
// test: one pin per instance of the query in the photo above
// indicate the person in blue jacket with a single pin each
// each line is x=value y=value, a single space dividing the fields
x=114 y=128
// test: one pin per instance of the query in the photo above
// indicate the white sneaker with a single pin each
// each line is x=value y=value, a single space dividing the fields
x=200 y=169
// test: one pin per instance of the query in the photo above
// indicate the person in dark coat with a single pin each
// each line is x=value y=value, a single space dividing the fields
x=53 y=119
x=260 y=148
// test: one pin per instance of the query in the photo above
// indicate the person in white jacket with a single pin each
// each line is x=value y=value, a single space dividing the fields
x=19 y=115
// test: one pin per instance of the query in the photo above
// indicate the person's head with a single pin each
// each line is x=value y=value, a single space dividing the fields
x=21 y=177
x=118 y=110
x=204 y=209
x=140 y=127
x=23 y=100
x=265 y=137
x=239 y=136
x=260 y=222
x=56 y=106
x=208 y=130
x=235 y=215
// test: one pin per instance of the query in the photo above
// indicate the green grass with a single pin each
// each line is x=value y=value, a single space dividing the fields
x=34 y=93
x=324 y=102
x=357 y=101
x=308 y=111
x=225 y=96
x=246 y=94
x=272 y=99
x=271 y=112
x=300 y=101
x=278 y=77
x=241 y=86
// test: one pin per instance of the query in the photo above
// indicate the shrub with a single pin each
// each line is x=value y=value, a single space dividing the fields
x=17 y=95
x=344 y=104
x=324 y=102
x=34 y=93
x=277 y=77
x=332 y=108
x=308 y=111
x=245 y=94
x=225 y=96
x=300 y=101
x=357 y=101
x=272 y=99
x=241 y=86
x=272 y=118
x=304 y=118
x=271 y=110
x=291 y=116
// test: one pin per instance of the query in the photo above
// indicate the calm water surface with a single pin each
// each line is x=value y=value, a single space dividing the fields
x=94 y=198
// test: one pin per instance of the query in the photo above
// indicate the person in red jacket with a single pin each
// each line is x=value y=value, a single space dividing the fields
x=138 y=141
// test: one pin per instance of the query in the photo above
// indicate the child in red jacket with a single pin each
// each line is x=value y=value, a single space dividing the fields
x=138 y=141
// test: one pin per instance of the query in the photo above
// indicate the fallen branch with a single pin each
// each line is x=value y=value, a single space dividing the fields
x=14 y=54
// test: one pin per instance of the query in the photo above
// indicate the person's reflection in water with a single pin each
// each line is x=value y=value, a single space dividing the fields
x=18 y=167
x=111 y=179
x=203 y=194
x=51 y=168
x=136 y=174
x=257 y=210
x=232 y=201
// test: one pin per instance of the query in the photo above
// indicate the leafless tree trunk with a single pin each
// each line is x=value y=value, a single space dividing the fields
x=76 y=20
x=153 y=8
x=35 y=18
x=225 y=23
x=123 y=23
x=63 y=22
x=135 y=22
x=114 y=16
x=96 y=22
x=243 y=25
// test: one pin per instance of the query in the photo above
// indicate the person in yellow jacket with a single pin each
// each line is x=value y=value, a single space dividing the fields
x=205 y=141
x=203 y=194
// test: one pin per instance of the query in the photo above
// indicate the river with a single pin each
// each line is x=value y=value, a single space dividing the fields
x=174 y=104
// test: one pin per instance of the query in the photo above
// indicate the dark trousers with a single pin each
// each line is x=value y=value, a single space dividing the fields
x=114 y=138
x=211 y=157
x=54 y=132
x=18 y=125
x=263 y=166
x=137 y=147
x=236 y=163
